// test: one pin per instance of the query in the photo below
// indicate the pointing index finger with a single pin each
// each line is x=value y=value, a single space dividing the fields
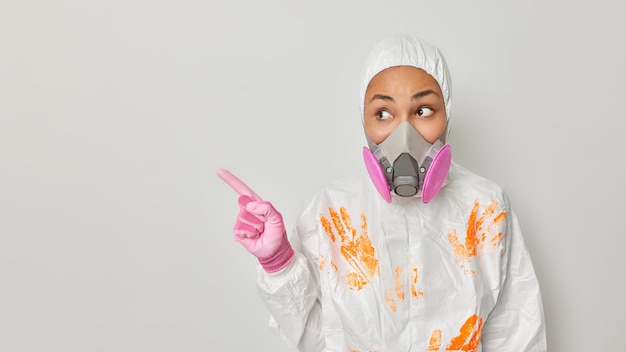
x=238 y=185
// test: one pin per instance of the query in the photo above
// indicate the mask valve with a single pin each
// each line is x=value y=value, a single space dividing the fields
x=405 y=177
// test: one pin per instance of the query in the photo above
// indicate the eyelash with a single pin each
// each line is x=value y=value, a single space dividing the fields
x=380 y=112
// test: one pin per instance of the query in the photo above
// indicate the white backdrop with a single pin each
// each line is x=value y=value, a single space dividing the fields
x=115 y=232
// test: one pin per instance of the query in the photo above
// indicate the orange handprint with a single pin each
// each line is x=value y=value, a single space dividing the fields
x=476 y=234
x=356 y=249
x=393 y=294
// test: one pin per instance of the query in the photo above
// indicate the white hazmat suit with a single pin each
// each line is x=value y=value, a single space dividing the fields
x=452 y=274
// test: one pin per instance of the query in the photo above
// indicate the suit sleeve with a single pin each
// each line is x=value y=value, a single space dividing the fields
x=516 y=323
x=293 y=295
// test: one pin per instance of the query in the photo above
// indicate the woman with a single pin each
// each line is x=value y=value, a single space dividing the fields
x=419 y=254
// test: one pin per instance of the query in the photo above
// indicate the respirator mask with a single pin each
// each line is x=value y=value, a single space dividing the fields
x=407 y=164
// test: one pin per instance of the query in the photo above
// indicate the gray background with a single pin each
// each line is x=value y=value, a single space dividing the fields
x=115 y=232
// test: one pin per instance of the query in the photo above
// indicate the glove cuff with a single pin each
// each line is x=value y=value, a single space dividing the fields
x=283 y=256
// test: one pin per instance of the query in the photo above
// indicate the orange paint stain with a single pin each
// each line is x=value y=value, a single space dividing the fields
x=476 y=234
x=364 y=222
x=498 y=219
x=399 y=286
x=356 y=249
x=355 y=280
x=469 y=336
x=496 y=240
x=415 y=292
x=461 y=253
x=435 y=341
x=345 y=218
x=398 y=293
x=337 y=222
x=327 y=228
x=470 y=239
x=322 y=262
x=391 y=302
x=414 y=276
x=467 y=340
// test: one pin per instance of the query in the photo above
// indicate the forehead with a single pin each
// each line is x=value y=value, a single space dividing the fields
x=402 y=79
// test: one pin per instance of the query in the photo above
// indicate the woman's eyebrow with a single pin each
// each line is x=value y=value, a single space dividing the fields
x=414 y=97
x=423 y=94
x=382 y=97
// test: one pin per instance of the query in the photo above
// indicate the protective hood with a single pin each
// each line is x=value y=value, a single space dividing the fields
x=407 y=51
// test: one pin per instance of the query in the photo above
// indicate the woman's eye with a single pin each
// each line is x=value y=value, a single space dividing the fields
x=424 y=111
x=383 y=115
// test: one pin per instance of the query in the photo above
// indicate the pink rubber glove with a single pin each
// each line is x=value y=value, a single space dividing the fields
x=259 y=227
